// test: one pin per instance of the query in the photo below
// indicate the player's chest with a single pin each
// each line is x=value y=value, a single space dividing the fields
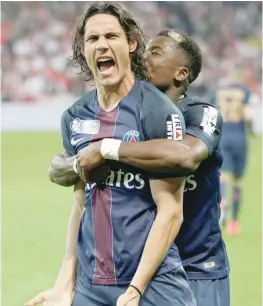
x=123 y=124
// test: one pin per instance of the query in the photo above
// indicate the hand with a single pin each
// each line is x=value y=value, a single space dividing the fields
x=88 y=159
x=130 y=298
x=51 y=297
x=61 y=170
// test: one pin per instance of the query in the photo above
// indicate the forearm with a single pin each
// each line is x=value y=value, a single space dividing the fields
x=162 y=155
x=67 y=275
x=162 y=234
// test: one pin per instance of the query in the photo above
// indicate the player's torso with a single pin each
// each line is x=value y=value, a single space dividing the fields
x=231 y=101
x=119 y=216
x=200 y=240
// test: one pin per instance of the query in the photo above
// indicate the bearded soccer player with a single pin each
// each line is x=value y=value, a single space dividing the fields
x=174 y=61
x=132 y=211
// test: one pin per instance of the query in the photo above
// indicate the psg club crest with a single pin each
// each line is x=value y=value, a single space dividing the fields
x=131 y=136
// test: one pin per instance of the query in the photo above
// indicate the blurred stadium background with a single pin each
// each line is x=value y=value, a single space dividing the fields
x=38 y=83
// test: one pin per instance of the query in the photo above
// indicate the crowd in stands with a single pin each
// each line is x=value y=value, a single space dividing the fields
x=36 y=44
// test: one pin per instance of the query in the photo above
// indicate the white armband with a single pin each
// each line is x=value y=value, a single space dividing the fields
x=110 y=148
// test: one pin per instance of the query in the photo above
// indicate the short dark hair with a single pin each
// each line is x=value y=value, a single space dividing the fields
x=131 y=27
x=189 y=47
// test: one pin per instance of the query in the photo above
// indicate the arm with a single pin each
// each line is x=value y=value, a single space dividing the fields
x=61 y=293
x=61 y=170
x=67 y=275
x=203 y=134
x=158 y=155
x=247 y=113
x=164 y=155
x=168 y=196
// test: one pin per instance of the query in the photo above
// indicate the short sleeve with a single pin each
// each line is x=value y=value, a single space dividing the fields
x=204 y=122
x=65 y=133
x=162 y=119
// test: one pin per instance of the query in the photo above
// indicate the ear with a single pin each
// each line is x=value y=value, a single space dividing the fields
x=133 y=43
x=181 y=73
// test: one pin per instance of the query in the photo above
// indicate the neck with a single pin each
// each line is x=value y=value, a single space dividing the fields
x=109 y=96
x=174 y=93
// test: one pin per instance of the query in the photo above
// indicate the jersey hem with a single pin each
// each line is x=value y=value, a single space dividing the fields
x=119 y=281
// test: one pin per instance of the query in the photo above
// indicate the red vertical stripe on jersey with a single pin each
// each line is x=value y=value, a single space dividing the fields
x=101 y=210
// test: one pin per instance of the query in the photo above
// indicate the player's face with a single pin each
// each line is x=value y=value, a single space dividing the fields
x=107 y=50
x=163 y=61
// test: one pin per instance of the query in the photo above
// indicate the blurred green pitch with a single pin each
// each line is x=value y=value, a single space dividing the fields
x=35 y=214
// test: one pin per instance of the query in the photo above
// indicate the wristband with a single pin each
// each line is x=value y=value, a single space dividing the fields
x=110 y=148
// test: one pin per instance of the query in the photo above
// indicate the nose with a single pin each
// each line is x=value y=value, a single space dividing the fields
x=102 y=44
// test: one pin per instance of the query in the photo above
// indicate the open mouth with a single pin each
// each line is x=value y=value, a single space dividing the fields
x=106 y=65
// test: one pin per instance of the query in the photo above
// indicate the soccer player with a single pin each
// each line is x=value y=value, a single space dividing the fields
x=132 y=212
x=174 y=62
x=233 y=101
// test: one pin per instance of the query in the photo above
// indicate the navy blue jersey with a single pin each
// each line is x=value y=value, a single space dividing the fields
x=118 y=217
x=231 y=100
x=200 y=240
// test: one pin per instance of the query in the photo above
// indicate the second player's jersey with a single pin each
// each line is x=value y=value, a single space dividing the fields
x=199 y=241
x=119 y=216
x=231 y=101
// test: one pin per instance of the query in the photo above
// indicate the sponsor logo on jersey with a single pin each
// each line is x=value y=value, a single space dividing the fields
x=190 y=183
x=123 y=179
x=209 y=120
x=131 y=136
x=174 y=127
x=89 y=127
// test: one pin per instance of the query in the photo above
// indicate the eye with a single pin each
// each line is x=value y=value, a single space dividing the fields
x=111 y=36
x=155 y=53
x=91 y=38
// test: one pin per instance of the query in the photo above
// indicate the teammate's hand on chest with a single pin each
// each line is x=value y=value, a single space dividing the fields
x=90 y=157
x=91 y=165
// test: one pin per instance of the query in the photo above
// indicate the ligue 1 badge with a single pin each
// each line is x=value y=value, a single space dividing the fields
x=76 y=126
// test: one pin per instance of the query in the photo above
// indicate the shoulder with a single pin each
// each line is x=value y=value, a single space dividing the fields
x=150 y=91
x=76 y=107
x=152 y=97
x=200 y=112
x=192 y=104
